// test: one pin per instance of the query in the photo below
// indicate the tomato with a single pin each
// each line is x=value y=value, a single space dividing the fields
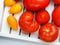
x=15 y=8
x=48 y=32
x=35 y=5
x=9 y=2
x=27 y=23
x=56 y=15
x=56 y=1
x=12 y=22
x=42 y=17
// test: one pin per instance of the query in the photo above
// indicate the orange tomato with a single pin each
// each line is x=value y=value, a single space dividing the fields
x=15 y=8
x=9 y=2
x=12 y=22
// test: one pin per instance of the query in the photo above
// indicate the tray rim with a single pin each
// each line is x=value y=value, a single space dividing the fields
x=29 y=39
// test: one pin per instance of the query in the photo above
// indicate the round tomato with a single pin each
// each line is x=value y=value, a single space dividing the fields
x=48 y=32
x=35 y=5
x=56 y=15
x=42 y=17
x=26 y=22
x=56 y=1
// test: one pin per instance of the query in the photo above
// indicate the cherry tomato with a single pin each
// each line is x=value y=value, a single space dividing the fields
x=12 y=22
x=26 y=22
x=15 y=8
x=9 y=2
x=56 y=1
x=42 y=17
x=48 y=32
x=35 y=5
x=56 y=15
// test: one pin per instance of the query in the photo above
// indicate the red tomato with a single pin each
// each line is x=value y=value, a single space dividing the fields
x=42 y=17
x=56 y=1
x=26 y=22
x=56 y=15
x=35 y=5
x=48 y=32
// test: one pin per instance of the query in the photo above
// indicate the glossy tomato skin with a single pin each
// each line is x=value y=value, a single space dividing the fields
x=35 y=5
x=48 y=32
x=56 y=16
x=42 y=17
x=56 y=2
x=26 y=22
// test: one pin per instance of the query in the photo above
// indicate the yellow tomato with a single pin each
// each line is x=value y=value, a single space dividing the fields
x=12 y=22
x=9 y=2
x=15 y=8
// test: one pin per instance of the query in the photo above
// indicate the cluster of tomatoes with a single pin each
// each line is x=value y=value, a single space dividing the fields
x=30 y=22
x=15 y=7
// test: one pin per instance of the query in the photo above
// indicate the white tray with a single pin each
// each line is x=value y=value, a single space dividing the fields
x=5 y=29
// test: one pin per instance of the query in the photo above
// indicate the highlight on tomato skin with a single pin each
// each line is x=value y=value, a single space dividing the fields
x=26 y=22
x=48 y=32
x=35 y=5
